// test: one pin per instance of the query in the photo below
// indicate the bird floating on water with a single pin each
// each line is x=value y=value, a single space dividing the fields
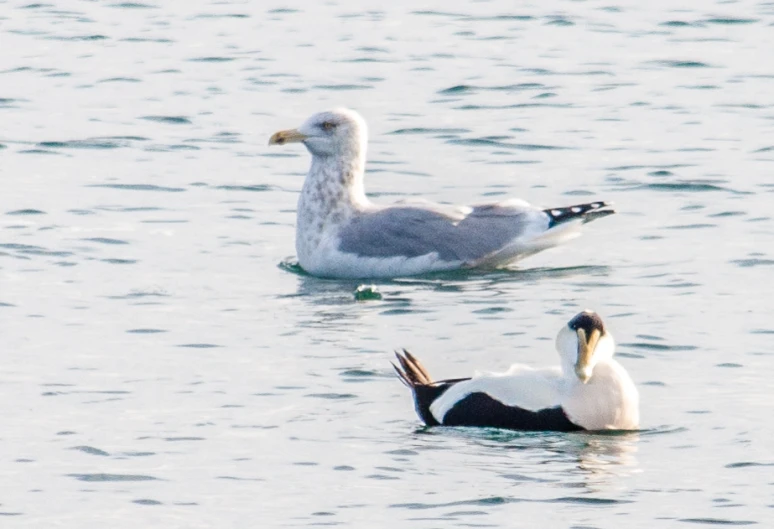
x=590 y=391
x=340 y=233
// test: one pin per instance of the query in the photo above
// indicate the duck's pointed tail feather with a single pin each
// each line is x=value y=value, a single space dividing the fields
x=411 y=371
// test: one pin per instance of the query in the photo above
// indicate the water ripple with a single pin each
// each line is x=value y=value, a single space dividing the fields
x=111 y=477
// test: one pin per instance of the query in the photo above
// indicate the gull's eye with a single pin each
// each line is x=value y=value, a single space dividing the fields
x=328 y=126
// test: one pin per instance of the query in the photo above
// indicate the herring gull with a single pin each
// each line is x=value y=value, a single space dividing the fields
x=589 y=391
x=340 y=233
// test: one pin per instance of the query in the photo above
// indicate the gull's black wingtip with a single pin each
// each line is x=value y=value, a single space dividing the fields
x=585 y=212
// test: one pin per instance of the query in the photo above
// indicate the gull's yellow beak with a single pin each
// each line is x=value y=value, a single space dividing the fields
x=586 y=347
x=286 y=136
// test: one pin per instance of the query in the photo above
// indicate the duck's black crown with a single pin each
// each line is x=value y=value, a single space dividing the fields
x=588 y=321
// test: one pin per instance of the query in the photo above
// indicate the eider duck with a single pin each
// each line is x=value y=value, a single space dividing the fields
x=589 y=391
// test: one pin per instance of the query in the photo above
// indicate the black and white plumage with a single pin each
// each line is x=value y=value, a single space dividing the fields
x=589 y=391
x=341 y=233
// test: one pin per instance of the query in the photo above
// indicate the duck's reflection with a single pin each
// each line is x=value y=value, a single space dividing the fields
x=602 y=456
x=591 y=461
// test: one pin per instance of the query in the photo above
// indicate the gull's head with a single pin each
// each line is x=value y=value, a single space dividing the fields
x=583 y=343
x=340 y=133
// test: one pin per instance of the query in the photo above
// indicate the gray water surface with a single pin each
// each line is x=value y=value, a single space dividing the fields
x=161 y=367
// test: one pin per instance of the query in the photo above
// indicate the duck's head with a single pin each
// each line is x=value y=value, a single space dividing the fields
x=583 y=343
x=339 y=133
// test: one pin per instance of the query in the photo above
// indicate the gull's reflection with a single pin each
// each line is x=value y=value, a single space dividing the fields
x=333 y=304
x=330 y=291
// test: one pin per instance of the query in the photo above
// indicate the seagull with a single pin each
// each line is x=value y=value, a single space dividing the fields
x=589 y=391
x=340 y=233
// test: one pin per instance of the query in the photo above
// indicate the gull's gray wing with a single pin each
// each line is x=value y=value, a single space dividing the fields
x=415 y=230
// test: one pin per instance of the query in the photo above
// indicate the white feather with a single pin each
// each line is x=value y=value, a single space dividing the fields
x=609 y=401
x=520 y=386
